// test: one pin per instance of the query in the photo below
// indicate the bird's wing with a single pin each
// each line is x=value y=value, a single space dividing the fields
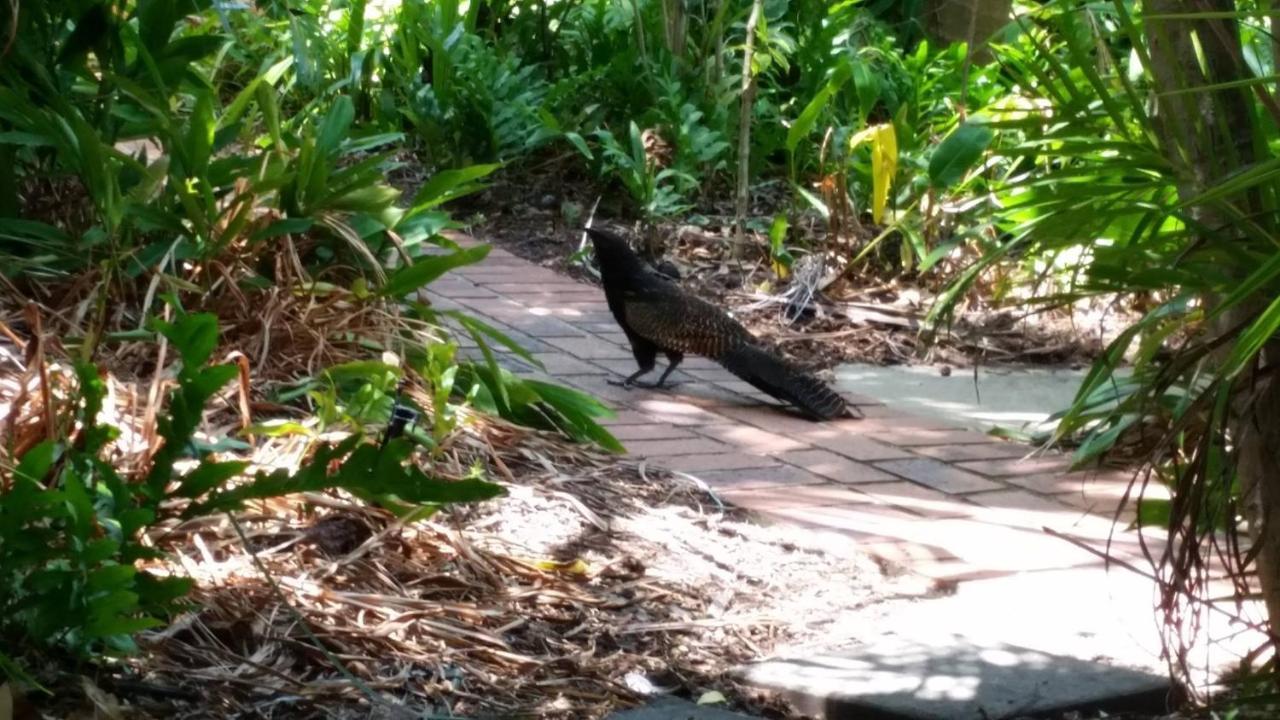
x=683 y=323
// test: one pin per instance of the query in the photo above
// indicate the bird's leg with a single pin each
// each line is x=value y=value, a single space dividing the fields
x=673 y=361
x=630 y=382
x=646 y=353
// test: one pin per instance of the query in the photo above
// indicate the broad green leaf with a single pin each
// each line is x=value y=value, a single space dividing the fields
x=581 y=144
x=198 y=145
x=208 y=476
x=288 y=226
x=333 y=130
x=194 y=335
x=480 y=330
x=960 y=151
x=808 y=117
x=449 y=185
x=427 y=268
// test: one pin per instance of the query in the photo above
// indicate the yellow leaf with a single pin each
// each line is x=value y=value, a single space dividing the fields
x=780 y=270
x=574 y=567
x=884 y=165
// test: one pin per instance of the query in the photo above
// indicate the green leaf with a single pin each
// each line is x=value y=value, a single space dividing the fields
x=581 y=144
x=372 y=199
x=198 y=145
x=37 y=462
x=481 y=330
x=1251 y=341
x=960 y=151
x=337 y=122
x=427 y=268
x=450 y=185
x=579 y=411
x=207 y=476
x=194 y=335
x=288 y=226
x=156 y=20
x=1155 y=512
x=808 y=117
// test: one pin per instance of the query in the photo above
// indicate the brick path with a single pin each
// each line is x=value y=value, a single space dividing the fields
x=936 y=499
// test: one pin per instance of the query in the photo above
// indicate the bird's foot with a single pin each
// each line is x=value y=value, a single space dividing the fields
x=625 y=384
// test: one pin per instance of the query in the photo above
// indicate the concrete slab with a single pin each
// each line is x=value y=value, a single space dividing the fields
x=669 y=708
x=1015 y=398
x=954 y=678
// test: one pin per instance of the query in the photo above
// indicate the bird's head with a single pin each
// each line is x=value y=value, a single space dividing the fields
x=612 y=251
x=607 y=241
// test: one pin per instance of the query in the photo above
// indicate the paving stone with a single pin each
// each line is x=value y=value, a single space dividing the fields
x=589 y=348
x=548 y=289
x=741 y=471
x=854 y=447
x=1018 y=466
x=615 y=337
x=712 y=396
x=766 y=499
x=581 y=307
x=918 y=499
x=962 y=453
x=598 y=386
x=675 y=411
x=652 y=431
x=720 y=376
x=834 y=467
x=751 y=439
x=745 y=389
x=561 y=363
x=626 y=366
x=656 y=449
x=839 y=436
x=938 y=475
x=905 y=677
x=697 y=362
x=623 y=417
x=585 y=318
x=501 y=274
x=911 y=437
x=460 y=289
x=864 y=521
x=1020 y=500
x=544 y=327
x=603 y=328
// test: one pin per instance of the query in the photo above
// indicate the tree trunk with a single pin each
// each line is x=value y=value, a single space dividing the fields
x=675 y=23
x=1210 y=133
x=973 y=21
x=742 y=201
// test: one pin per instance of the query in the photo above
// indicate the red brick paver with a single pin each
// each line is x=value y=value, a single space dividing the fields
x=920 y=493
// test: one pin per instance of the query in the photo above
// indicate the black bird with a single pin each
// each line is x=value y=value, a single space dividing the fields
x=657 y=315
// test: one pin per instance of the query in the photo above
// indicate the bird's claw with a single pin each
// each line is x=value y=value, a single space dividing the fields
x=624 y=384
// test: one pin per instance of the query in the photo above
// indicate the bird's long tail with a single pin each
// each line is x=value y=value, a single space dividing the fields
x=785 y=381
